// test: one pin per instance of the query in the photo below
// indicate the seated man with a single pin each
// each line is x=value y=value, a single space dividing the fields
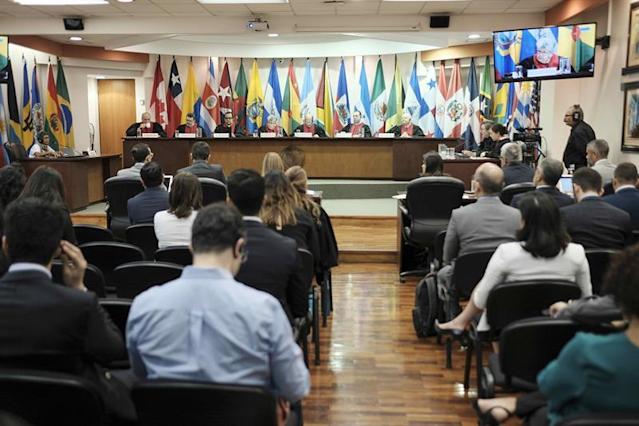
x=228 y=127
x=141 y=154
x=597 y=156
x=626 y=196
x=206 y=326
x=190 y=126
x=200 y=167
x=592 y=222
x=42 y=149
x=358 y=129
x=272 y=126
x=407 y=129
x=309 y=126
x=546 y=177
x=38 y=317
x=432 y=164
x=273 y=265
x=155 y=198
x=145 y=126
x=514 y=170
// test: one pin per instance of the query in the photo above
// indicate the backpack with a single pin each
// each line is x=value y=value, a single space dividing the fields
x=427 y=306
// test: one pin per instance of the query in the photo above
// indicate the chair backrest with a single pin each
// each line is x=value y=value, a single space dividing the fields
x=510 y=191
x=117 y=191
x=469 y=270
x=179 y=255
x=433 y=197
x=107 y=255
x=438 y=246
x=307 y=265
x=212 y=191
x=598 y=419
x=143 y=236
x=169 y=403
x=50 y=399
x=93 y=277
x=91 y=233
x=598 y=261
x=118 y=310
x=133 y=278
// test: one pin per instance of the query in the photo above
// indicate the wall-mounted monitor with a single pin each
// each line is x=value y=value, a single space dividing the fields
x=565 y=51
x=4 y=59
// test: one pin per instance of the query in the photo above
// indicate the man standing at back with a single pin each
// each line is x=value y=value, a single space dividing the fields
x=200 y=154
x=143 y=207
x=546 y=177
x=580 y=134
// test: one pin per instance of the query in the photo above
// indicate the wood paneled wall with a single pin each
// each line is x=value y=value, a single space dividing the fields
x=116 y=100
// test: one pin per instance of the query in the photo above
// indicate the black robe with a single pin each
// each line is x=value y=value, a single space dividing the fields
x=367 y=130
x=239 y=130
x=133 y=129
x=318 y=131
x=417 y=131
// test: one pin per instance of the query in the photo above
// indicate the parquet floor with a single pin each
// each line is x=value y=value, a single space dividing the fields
x=374 y=370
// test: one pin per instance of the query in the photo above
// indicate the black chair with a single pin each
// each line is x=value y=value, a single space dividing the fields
x=598 y=261
x=133 y=278
x=93 y=277
x=107 y=255
x=212 y=191
x=118 y=190
x=438 y=250
x=170 y=403
x=307 y=265
x=429 y=203
x=179 y=255
x=143 y=236
x=91 y=233
x=118 y=310
x=598 y=419
x=509 y=192
x=635 y=236
x=50 y=399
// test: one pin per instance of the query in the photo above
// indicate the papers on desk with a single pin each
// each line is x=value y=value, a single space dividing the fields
x=220 y=135
x=303 y=135
x=186 y=135
x=150 y=135
x=268 y=135
x=343 y=135
x=386 y=135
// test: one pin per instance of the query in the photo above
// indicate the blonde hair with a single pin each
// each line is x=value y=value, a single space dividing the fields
x=280 y=200
x=272 y=161
x=299 y=180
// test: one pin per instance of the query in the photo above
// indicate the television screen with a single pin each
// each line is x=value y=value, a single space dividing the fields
x=4 y=59
x=566 y=51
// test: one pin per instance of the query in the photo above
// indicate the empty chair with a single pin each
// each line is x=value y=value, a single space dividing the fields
x=118 y=310
x=143 y=236
x=179 y=255
x=510 y=191
x=93 y=277
x=170 y=403
x=598 y=261
x=118 y=190
x=91 y=233
x=212 y=191
x=133 y=278
x=107 y=255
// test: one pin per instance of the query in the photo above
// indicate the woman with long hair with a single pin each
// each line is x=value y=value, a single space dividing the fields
x=272 y=161
x=173 y=226
x=299 y=180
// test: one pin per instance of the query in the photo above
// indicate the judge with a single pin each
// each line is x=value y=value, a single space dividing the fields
x=190 y=126
x=228 y=127
x=358 y=129
x=272 y=126
x=545 y=56
x=407 y=129
x=145 y=126
x=309 y=127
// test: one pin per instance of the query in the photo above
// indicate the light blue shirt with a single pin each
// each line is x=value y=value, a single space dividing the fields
x=207 y=326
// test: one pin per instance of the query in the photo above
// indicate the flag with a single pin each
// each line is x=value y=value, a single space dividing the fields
x=486 y=91
x=428 y=80
x=507 y=52
x=395 y=100
x=291 y=107
x=378 y=101
x=578 y=44
x=173 y=100
x=239 y=96
x=342 y=115
x=4 y=158
x=533 y=110
x=64 y=100
x=454 y=104
x=502 y=104
x=27 y=119
x=440 y=101
x=308 y=91
x=414 y=103
x=272 y=95
x=191 y=99
x=52 y=123
x=254 y=101
x=225 y=92
x=324 y=102
x=36 y=105
x=158 y=97
x=471 y=101
x=363 y=103
x=210 y=110
x=14 y=129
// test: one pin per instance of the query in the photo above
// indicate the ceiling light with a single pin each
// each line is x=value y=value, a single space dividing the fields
x=75 y=38
x=59 y=2
x=241 y=1
x=100 y=77
x=273 y=35
x=473 y=36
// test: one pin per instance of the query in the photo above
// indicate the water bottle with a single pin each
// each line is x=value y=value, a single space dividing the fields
x=198 y=132
x=138 y=132
x=177 y=133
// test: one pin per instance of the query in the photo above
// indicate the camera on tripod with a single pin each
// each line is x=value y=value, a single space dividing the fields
x=530 y=139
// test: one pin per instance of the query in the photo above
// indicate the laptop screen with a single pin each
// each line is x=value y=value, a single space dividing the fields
x=168 y=180
x=565 y=184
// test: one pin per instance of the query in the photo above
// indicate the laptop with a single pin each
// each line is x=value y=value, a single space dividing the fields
x=565 y=184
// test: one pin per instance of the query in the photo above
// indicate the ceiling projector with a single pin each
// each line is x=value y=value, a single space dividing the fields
x=257 y=24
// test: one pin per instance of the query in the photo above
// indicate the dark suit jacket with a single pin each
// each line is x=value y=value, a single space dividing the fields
x=417 y=131
x=146 y=204
x=237 y=131
x=201 y=168
x=304 y=233
x=318 y=130
x=560 y=198
x=133 y=129
x=272 y=265
x=626 y=199
x=517 y=172
x=594 y=223
x=575 y=152
x=367 y=130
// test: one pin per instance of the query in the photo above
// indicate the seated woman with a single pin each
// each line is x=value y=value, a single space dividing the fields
x=299 y=180
x=272 y=161
x=432 y=164
x=272 y=126
x=544 y=251
x=593 y=373
x=173 y=226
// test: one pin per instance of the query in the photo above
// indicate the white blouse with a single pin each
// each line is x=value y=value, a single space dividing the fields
x=171 y=230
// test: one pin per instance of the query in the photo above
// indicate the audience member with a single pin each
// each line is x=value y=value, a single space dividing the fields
x=592 y=222
x=626 y=196
x=597 y=156
x=272 y=161
x=38 y=317
x=432 y=164
x=514 y=170
x=12 y=180
x=273 y=265
x=173 y=226
x=141 y=154
x=483 y=225
x=593 y=373
x=543 y=251
x=546 y=177
x=200 y=167
x=155 y=198
x=297 y=176
x=292 y=155
x=207 y=326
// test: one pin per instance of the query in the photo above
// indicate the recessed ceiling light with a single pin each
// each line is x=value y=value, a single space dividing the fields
x=242 y=1
x=75 y=38
x=59 y=2
x=473 y=36
x=273 y=35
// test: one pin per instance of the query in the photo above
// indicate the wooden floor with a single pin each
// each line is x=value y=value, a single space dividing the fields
x=374 y=370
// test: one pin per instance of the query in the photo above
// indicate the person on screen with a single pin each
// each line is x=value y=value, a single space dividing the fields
x=190 y=126
x=309 y=126
x=358 y=129
x=228 y=127
x=272 y=126
x=407 y=129
x=42 y=149
x=545 y=56
x=145 y=126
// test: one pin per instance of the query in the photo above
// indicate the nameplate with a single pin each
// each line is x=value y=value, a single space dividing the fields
x=221 y=135
x=150 y=135
x=268 y=135
x=303 y=135
x=186 y=135
x=343 y=135
x=386 y=135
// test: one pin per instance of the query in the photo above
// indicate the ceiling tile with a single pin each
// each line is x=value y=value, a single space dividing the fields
x=445 y=7
x=189 y=7
x=400 y=8
x=357 y=9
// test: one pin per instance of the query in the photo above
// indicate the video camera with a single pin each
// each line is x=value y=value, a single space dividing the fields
x=531 y=140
